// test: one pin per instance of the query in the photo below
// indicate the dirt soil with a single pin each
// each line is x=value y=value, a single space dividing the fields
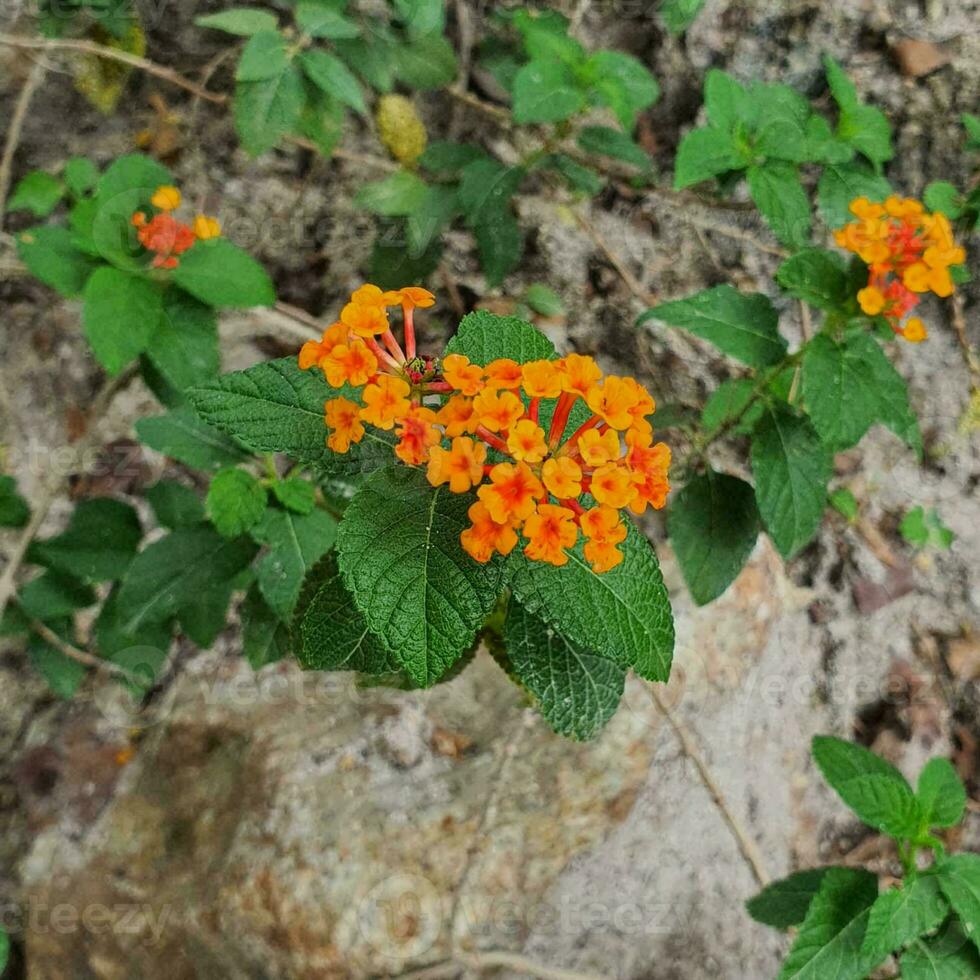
x=295 y=826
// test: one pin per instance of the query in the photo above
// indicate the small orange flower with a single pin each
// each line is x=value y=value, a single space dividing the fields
x=415 y=297
x=466 y=377
x=365 y=320
x=613 y=485
x=562 y=476
x=343 y=419
x=526 y=442
x=313 y=351
x=511 y=493
x=384 y=401
x=614 y=401
x=417 y=434
x=542 y=379
x=503 y=373
x=206 y=228
x=603 y=523
x=914 y=330
x=651 y=488
x=457 y=416
x=871 y=300
x=602 y=555
x=642 y=456
x=550 y=530
x=578 y=374
x=371 y=295
x=486 y=537
x=166 y=198
x=497 y=411
x=461 y=466
x=353 y=364
x=597 y=448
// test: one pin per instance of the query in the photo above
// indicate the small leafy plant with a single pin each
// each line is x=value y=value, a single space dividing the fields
x=924 y=529
x=929 y=921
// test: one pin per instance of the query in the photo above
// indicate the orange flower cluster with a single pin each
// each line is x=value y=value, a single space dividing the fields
x=499 y=429
x=167 y=237
x=908 y=252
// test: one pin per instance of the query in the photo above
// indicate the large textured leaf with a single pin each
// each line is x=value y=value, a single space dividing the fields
x=705 y=153
x=623 y=614
x=816 y=276
x=841 y=183
x=483 y=337
x=400 y=554
x=713 y=524
x=791 y=468
x=941 y=793
x=902 y=914
x=948 y=956
x=828 y=946
x=959 y=878
x=235 y=502
x=784 y=903
x=576 y=691
x=743 y=325
x=779 y=195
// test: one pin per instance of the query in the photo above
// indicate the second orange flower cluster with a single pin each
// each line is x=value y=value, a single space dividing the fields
x=908 y=252
x=164 y=235
x=499 y=429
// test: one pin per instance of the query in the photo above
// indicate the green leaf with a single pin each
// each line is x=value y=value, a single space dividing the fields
x=729 y=402
x=948 y=956
x=845 y=503
x=265 y=638
x=244 y=21
x=943 y=196
x=400 y=555
x=174 y=505
x=297 y=494
x=873 y=788
x=705 y=153
x=333 y=633
x=53 y=595
x=816 y=276
x=623 y=614
x=176 y=570
x=322 y=120
x=422 y=17
x=487 y=185
x=400 y=194
x=867 y=129
x=80 y=175
x=941 y=794
x=50 y=255
x=841 y=183
x=545 y=35
x=484 y=337
x=776 y=189
x=4 y=950
x=435 y=211
x=924 y=528
x=263 y=57
x=122 y=312
x=373 y=58
x=329 y=73
x=728 y=102
x=959 y=878
x=296 y=542
x=235 y=502
x=575 y=690
x=97 y=546
x=425 y=62
x=62 y=674
x=713 y=524
x=37 y=192
x=784 y=903
x=678 y=15
x=621 y=82
x=204 y=617
x=132 y=172
x=791 y=468
x=612 y=143
x=182 y=436
x=184 y=347
x=265 y=111
x=781 y=129
x=543 y=299
x=323 y=20
x=578 y=178
x=822 y=146
x=113 y=643
x=829 y=942
x=221 y=274
x=14 y=511
x=499 y=242
x=545 y=91
x=900 y=915
x=742 y=325
x=444 y=157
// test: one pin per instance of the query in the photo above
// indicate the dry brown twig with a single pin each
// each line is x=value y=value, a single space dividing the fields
x=34 y=80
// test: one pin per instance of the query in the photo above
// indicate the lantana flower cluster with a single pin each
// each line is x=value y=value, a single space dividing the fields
x=908 y=252
x=164 y=235
x=498 y=429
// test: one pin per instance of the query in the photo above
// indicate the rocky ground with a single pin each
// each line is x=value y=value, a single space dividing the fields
x=292 y=825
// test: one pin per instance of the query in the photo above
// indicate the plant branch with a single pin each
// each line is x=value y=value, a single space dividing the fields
x=34 y=80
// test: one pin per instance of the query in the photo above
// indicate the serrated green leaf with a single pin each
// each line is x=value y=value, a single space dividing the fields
x=866 y=128
x=425 y=62
x=14 y=511
x=545 y=91
x=484 y=337
x=323 y=20
x=400 y=194
x=575 y=690
x=265 y=111
x=728 y=403
x=612 y=143
x=830 y=937
x=97 y=546
x=333 y=633
x=330 y=74
x=50 y=255
x=784 y=903
x=174 y=571
x=678 y=15
x=743 y=325
x=265 y=637
x=400 y=554
x=959 y=878
x=941 y=793
x=264 y=57
x=297 y=494
x=621 y=82
x=37 y=192
x=781 y=130
x=842 y=183
x=778 y=194
x=873 y=788
x=817 y=276
x=181 y=435
x=235 y=502
x=713 y=524
x=705 y=153
x=727 y=101
x=243 y=21
x=296 y=542
x=623 y=614
x=221 y=274
x=948 y=956
x=174 y=505
x=791 y=467
x=902 y=914
x=122 y=313
x=184 y=347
